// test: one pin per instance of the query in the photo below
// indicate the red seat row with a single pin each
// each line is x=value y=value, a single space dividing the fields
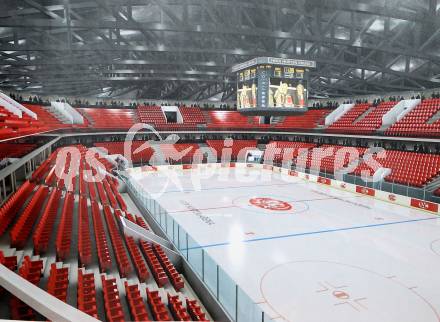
x=346 y=121
x=195 y=310
x=173 y=274
x=86 y=294
x=107 y=118
x=130 y=217
x=229 y=120
x=112 y=302
x=307 y=121
x=101 y=193
x=46 y=119
x=192 y=115
x=279 y=151
x=20 y=232
x=151 y=115
x=92 y=191
x=141 y=222
x=138 y=310
x=84 y=240
x=110 y=194
x=407 y=168
x=13 y=126
x=40 y=173
x=101 y=239
x=136 y=256
x=417 y=121
x=44 y=228
x=82 y=181
x=176 y=307
x=143 y=155
x=121 y=201
x=58 y=282
x=156 y=268
x=338 y=158
x=31 y=271
x=65 y=228
x=10 y=208
x=9 y=261
x=160 y=312
x=118 y=245
x=179 y=152
x=366 y=125
x=238 y=149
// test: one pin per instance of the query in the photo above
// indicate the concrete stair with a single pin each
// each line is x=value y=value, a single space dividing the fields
x=60 y=117
x=363 y=115
x=435 y=118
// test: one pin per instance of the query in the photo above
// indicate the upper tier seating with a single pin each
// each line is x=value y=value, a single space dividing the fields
x=192 y=115
x=239 y=148
x=103 y=118
x=346 y=120
x=46 y=119
x=407 y=168
x=358 y=120
x=151 y=115
x=307 y=121
x=371 y=122
x=12 y=126
x=415 y=122
x=229 y=120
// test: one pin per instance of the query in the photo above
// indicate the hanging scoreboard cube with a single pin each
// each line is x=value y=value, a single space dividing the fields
x=273 y=86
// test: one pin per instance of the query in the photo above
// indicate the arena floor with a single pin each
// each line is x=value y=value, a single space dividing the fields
x=308 y=252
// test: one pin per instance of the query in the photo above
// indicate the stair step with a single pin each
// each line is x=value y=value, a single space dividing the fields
x=363 y=115
x=434 y=118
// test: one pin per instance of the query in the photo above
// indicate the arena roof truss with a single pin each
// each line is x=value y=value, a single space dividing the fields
x=183 y=49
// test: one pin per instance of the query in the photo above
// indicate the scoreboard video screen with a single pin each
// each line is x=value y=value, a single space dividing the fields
x=269 y=86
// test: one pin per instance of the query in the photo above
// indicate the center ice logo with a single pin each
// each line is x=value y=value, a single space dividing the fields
x=270 y=204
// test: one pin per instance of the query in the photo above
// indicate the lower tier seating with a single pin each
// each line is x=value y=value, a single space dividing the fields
x=407 y=168
x=236 y=148
x=86 y=294
x=279 y=151
x=45 y=210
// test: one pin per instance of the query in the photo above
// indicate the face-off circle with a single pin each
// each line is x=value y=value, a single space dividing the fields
x=341 y=292
x=270 y=204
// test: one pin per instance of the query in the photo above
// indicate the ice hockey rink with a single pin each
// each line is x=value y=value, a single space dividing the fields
x=308 y=252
